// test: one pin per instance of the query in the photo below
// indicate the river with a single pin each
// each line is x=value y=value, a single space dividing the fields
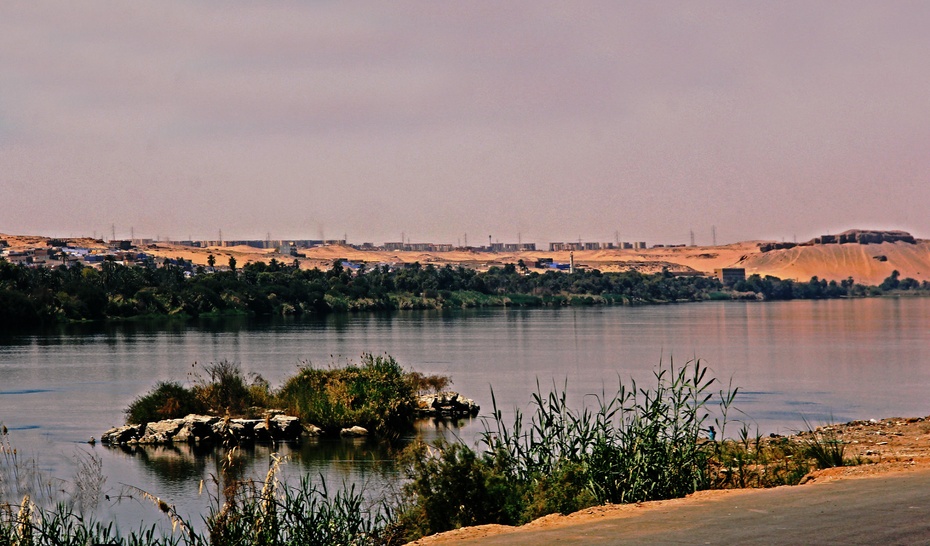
x=818 y=361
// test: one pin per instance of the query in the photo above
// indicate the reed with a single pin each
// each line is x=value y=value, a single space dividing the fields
x=632 y=445
x=376 y=394
x=824 y=445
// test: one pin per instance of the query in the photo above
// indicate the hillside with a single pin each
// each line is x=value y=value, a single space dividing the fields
x=865 y=263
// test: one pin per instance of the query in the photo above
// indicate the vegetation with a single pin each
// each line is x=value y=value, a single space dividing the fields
x=636 y=444
x=376 y=394
x=264 y=513
x=32 y=297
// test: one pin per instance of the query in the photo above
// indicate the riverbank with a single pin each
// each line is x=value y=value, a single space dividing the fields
x=893 y=447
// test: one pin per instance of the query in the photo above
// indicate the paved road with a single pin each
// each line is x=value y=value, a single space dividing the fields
x=891 y=509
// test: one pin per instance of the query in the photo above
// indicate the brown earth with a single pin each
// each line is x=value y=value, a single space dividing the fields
x=889 y=446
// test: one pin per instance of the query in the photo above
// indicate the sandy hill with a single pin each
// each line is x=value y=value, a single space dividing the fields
x=866 y=263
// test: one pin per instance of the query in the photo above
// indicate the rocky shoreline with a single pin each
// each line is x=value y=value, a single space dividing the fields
x=274 y=427
x=206 y=429
x=446 y=405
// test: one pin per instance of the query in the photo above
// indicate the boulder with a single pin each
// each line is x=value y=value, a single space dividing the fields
x=197 y=429
x=121 y=435
x=161 y=432
x=446 y=404
x=286 y=427
x=354 y=432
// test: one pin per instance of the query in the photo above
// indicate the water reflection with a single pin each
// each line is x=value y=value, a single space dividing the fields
x=838 y=359
x=169 y=463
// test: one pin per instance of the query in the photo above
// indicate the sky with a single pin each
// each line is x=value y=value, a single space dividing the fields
x=449 y=122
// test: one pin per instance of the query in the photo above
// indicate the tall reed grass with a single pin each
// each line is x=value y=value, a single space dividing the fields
x=640 y=442
x=635 y=444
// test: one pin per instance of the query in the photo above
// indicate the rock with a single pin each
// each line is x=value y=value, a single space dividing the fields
x=446 y=404
x=355 y=431
x=286 y=427
x=206 y=429
x=197 y=429
x=121 y=435
x=161 y=432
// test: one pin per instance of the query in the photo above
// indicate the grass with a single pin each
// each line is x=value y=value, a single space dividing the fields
x=825 y=447
x=252 y=513
x=633 y=445
x=638 y=443
x=377 y=393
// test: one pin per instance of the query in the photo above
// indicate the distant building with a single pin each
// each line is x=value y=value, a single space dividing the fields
x=730 y=275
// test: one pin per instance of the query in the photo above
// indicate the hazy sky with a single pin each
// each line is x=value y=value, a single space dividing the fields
x=522 y=119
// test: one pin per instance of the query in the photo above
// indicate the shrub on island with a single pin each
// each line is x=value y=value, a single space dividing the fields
x=376 y=394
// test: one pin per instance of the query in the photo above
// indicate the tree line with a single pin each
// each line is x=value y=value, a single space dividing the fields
x=74 y=292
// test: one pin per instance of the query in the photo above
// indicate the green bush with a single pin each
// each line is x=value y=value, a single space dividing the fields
x=376 y=395
x=564 y=491
x=452 y=486
x=224 y=389
x=168 y=400
x=638 y=444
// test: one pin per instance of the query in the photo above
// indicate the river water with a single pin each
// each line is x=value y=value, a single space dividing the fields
x=818 y=361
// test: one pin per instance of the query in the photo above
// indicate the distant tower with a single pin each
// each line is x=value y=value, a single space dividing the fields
x=713 y=230
x=571 y=262
x=221 y=238
x=466 y=240
x=489 y=242
x=692 y=237
x=112 y=232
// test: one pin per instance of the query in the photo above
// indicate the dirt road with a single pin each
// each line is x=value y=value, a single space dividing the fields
x=892 y=508
x=884 y=500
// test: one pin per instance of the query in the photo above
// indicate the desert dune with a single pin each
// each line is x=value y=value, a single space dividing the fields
x=865 y=263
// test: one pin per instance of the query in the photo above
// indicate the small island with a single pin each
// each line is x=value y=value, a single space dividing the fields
x=373 y=398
